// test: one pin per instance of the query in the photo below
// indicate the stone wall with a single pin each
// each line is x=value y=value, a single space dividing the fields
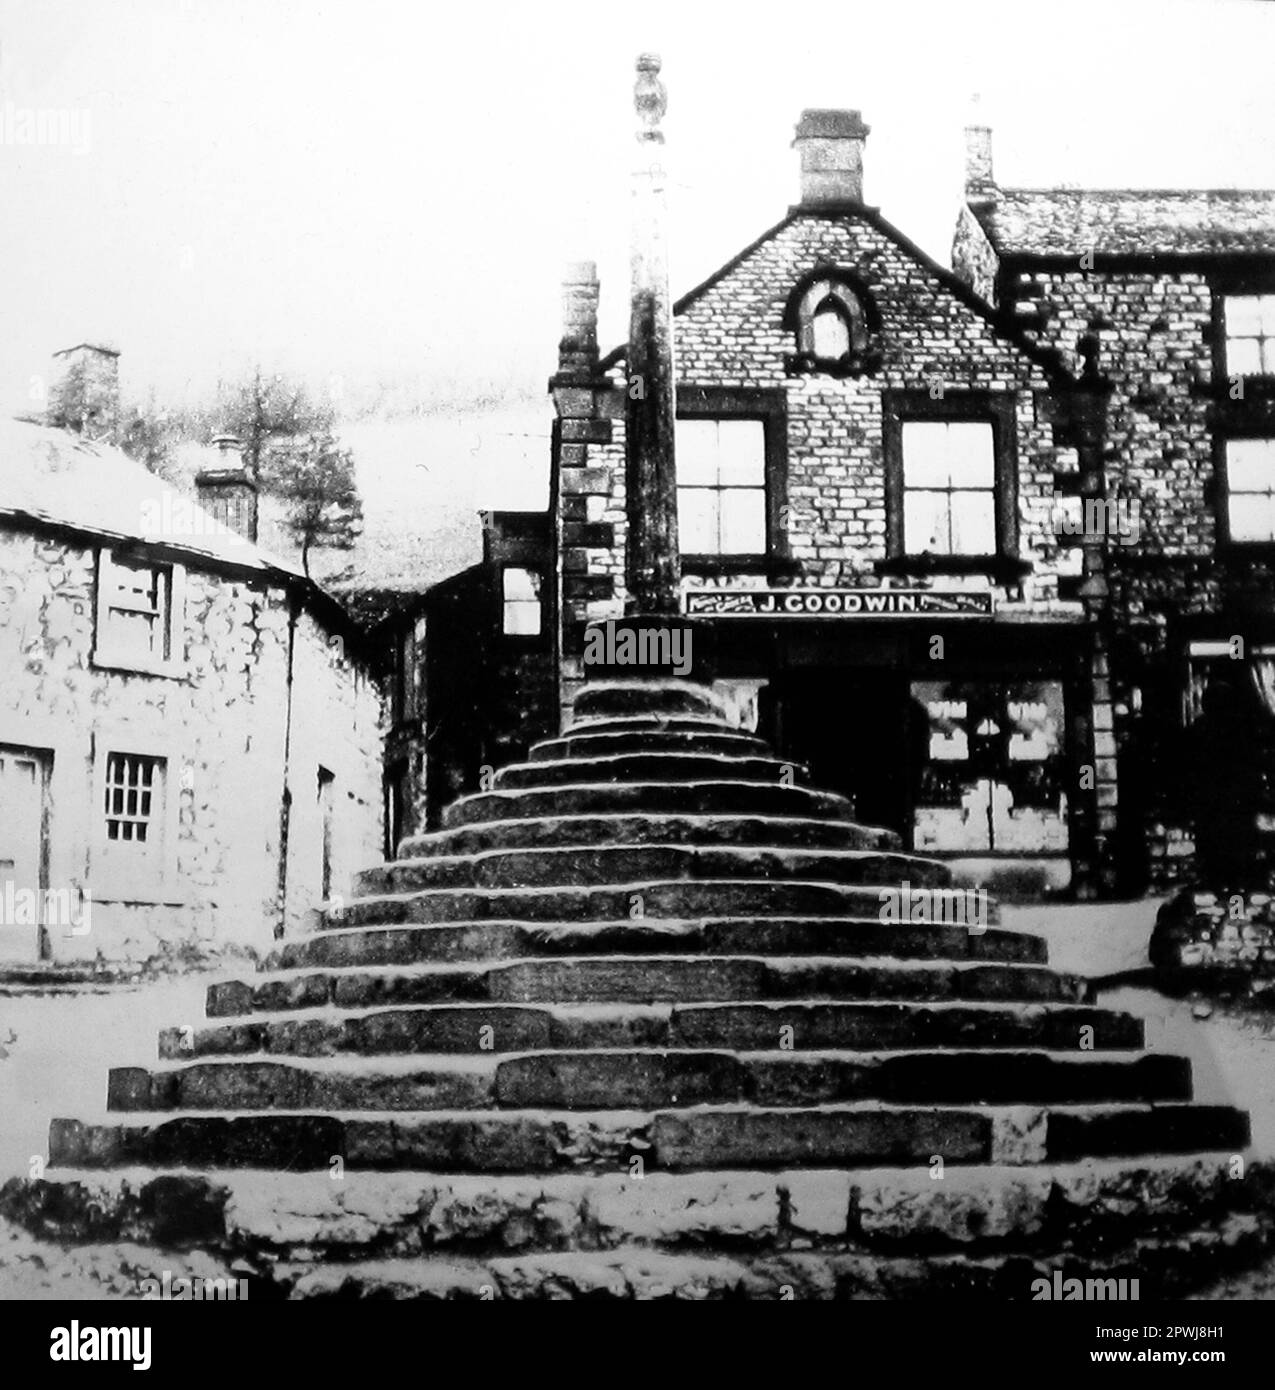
x=222 y=726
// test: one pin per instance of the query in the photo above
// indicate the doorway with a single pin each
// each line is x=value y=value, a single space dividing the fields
x=24 y=853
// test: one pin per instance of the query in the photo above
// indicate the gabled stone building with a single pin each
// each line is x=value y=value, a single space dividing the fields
x=190 y=730
x=866 y=465
x=1177 y=290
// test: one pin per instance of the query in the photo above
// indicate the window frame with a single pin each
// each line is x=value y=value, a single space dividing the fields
x=1222 y=468
x=107 y=653
x=770 y=407
x=504 y=602
x=1226 y=295
x=115 y=873
x=997 y=409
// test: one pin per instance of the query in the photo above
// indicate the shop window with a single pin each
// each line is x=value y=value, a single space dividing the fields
x=1250 y=334
x=522 y=607
x=992 y=777
x=721 y=492
x=1250 y=490
x=139 y=607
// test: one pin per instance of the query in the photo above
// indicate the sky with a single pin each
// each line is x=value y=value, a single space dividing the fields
x=379 y=195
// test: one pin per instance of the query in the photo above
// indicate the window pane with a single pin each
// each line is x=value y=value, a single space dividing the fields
x=522 y=618
x=742 y=453
x=829 y=334
x=925 y=453
x=1252 y=516
x=925 y=522
x=973 y=523
x=695 y=444
x=1250 y=465
x=1243 y=315
x=970 y=457
x=521 y=584
x=1243 y=357
x=697 y=520
x=743 y=521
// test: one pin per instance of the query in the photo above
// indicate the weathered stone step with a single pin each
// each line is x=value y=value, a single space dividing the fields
x=864 y=1221
x=555 y=832
x=862 y=1134
x=641 y=899
x=647 y=979
x=588 y=744
x=665 y=698
x=822 y=936
x=652 y=767
x=711 y=797
x=646 y=1079
x=581 y=866
x=752 y=1027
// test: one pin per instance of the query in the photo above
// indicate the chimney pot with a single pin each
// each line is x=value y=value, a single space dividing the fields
x=228 y=492
x=830 y=144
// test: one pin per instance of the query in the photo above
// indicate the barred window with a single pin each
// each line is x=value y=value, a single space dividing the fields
x=134 y=791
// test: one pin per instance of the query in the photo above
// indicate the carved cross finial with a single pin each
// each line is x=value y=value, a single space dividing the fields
x=650 y=100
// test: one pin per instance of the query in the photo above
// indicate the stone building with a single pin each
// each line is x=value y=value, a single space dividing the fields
x=190 y=731
x=970 y=543
x=471 y=673
x=1177 y=290
x=866 y=459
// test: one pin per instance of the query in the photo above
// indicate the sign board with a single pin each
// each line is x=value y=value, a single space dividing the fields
x=835 y=603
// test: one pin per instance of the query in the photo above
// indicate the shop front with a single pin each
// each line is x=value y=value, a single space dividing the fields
x=958 y=735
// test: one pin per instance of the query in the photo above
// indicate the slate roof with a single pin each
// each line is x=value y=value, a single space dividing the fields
x=58 y=478
x=1130 y=222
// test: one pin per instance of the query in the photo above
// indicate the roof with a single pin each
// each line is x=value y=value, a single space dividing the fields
x=1129 y=221
x=1044 y=357
x=56 y=478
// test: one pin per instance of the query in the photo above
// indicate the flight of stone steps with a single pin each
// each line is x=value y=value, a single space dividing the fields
x=631 y=1024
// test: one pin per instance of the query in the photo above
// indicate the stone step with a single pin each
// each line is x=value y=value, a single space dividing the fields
x=652 y=767
x=642 y=980
x=863 y=1134
x=646 y=1079
x=501 y=941
x=581 y=798
x=663 y=698
x=555 y=832
x=646 y=723
x=870 y=1217
x=751 y=1027
x=653 y=739
x=639 y=900
x=580 y=866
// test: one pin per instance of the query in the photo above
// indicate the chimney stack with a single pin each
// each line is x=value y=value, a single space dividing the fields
x=980 y=185
x=85 y=392
x=831 y=148
x=228 y=492
x=578 y=347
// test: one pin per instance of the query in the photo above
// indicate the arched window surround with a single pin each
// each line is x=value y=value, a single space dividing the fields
x=825 y=290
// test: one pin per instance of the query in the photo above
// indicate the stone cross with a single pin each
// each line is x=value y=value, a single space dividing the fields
x=653 y=564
